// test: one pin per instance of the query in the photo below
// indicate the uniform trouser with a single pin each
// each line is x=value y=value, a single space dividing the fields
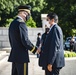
x=19 y=68
x=55 y=71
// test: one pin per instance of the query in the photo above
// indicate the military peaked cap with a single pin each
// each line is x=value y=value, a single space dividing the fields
x=26 y=8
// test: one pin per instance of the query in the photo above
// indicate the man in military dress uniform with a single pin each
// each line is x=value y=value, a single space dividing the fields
x=20 y=43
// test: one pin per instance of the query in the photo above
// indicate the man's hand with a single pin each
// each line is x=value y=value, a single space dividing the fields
x=49 y=67
x=38 y=50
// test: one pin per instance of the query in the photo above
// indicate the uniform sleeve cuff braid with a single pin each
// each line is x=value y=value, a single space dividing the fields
x=34 y=50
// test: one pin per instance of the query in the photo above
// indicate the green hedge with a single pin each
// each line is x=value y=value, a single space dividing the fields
x=69 y=54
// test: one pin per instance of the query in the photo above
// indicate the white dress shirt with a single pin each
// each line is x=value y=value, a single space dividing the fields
x=20 y=18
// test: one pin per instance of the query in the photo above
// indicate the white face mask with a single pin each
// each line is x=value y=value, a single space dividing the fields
x=39 y=36
x=47 y=23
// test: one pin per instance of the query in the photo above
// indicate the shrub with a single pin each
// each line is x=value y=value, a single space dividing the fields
x=69 y=54
x=8 y=22
x=65 y=55
x=31 y=23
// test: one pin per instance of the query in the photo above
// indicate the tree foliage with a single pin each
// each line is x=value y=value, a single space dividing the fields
x=31 y=23
x=37 y=7
x=8 y=10
x=66 y=11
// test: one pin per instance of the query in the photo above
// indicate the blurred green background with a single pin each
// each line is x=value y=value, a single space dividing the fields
x=66 y=10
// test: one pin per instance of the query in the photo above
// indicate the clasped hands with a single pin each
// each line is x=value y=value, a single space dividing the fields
x=38 y=50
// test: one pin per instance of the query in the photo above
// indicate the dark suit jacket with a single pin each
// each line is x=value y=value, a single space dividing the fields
x=43 y=38
x=52 y=50
x=38 y=41
x=20 y=44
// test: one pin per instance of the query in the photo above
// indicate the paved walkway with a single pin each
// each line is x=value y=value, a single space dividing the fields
x=34 y=69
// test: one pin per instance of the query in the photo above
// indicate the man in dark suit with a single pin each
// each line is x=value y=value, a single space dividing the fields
x=43 y=38
x=38 y=42
x=20 y=43
x=52 y=50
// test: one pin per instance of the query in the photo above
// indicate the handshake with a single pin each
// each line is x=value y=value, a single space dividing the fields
x=38 y=50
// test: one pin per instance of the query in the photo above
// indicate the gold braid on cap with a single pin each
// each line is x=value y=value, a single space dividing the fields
x=25 y=10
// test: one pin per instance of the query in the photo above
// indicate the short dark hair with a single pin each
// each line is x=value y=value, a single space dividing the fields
x=54 y=16
x=39 y=34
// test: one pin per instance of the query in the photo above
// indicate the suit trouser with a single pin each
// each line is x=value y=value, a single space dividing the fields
x=55 y=71
x=19 y=68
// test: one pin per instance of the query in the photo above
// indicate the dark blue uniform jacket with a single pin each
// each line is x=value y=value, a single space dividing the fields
x=20 y=44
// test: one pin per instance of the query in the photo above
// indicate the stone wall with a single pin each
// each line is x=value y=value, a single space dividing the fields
x=4 y=41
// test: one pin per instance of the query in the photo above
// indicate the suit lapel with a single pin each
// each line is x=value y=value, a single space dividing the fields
x=51 y=31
